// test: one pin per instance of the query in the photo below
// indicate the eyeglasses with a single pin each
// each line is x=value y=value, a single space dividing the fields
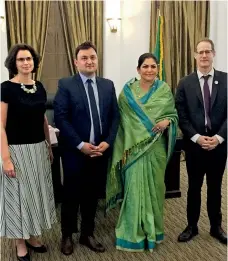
x=27 y=59
x=207 y=52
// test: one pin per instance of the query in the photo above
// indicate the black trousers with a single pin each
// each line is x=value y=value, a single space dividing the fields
x=81 y=190
x=212 y=163
x=56 y=175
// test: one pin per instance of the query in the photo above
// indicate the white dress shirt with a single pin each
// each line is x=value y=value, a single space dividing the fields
x=210 y=81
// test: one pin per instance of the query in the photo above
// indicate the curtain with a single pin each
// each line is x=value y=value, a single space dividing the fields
x=55 y=64
x=27 y=22
x=82 y=21
x=185 y=23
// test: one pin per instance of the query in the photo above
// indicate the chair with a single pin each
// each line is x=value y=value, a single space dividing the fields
x=56 y=173
x=172 y=175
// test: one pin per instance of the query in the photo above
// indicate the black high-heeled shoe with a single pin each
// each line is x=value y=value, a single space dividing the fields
x=39 y=249
x=23 y=258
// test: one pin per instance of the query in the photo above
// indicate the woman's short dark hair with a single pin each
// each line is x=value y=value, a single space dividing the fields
x=85 y=46
x=145 y=56
x=10 y=62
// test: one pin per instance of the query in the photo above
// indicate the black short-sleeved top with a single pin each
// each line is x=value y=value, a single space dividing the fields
x=25 y=116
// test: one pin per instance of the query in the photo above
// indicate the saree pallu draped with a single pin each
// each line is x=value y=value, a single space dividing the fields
x=137 y=168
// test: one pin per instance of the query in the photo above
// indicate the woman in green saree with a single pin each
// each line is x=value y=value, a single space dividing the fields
x=143 y=146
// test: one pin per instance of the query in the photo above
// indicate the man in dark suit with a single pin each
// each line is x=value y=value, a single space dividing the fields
x=201 y=102
x=87 y=115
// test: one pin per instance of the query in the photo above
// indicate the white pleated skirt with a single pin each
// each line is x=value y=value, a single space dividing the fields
x=27 y=201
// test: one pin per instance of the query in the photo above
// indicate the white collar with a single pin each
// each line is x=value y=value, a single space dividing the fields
x=211 y=73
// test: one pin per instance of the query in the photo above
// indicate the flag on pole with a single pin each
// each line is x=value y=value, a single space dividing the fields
x=159 y=47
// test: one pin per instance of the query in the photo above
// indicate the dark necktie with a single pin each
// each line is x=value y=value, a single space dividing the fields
x=95 y=116
x=207 y=100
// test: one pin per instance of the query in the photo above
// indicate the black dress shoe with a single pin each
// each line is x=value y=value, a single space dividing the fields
x=67 y=246
x=24 y=258
x=91 y=243
x=39 y=249
x=219 y=234
x=188 y=234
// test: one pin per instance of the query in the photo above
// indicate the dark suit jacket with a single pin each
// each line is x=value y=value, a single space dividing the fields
x=190 y=106
x=71 y=112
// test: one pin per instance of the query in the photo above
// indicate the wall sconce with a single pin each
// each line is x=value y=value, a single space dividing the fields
x=2 y=24
x=113 y=24
x=1 y=19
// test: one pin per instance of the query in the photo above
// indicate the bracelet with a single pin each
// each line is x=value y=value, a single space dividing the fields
x=48 y=144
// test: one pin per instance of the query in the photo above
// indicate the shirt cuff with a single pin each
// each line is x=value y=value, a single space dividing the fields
x=81 y=145
x=195 y=137
x=220 y=139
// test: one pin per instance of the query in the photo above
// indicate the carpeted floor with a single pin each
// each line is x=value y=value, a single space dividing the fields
x=202 y=247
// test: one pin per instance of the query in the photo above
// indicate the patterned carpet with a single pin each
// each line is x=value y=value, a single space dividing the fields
x=203 y=247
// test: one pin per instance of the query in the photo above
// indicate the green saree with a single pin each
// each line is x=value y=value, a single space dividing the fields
x=137 y=169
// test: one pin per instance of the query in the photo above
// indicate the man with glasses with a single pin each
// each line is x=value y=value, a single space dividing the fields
x=201 y=102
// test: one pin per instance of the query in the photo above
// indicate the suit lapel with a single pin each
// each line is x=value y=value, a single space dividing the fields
x=82 y=91
x=198 y=89
x=100 y=95
x=215 y=86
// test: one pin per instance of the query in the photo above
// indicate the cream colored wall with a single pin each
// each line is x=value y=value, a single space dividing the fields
x=3 y=41
x=218 y=33
x=122 y=49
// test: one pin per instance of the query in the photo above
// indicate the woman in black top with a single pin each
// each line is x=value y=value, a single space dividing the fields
x=26 y=193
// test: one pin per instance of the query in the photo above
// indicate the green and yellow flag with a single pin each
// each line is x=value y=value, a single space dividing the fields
x=159 y=47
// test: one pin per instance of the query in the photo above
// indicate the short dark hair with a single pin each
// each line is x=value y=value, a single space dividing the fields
x=10 y=62
x=85 y=46
x=206 y=40
x=145 y=56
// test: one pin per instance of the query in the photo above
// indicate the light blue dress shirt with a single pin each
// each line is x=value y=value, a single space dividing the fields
x=95 y=90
